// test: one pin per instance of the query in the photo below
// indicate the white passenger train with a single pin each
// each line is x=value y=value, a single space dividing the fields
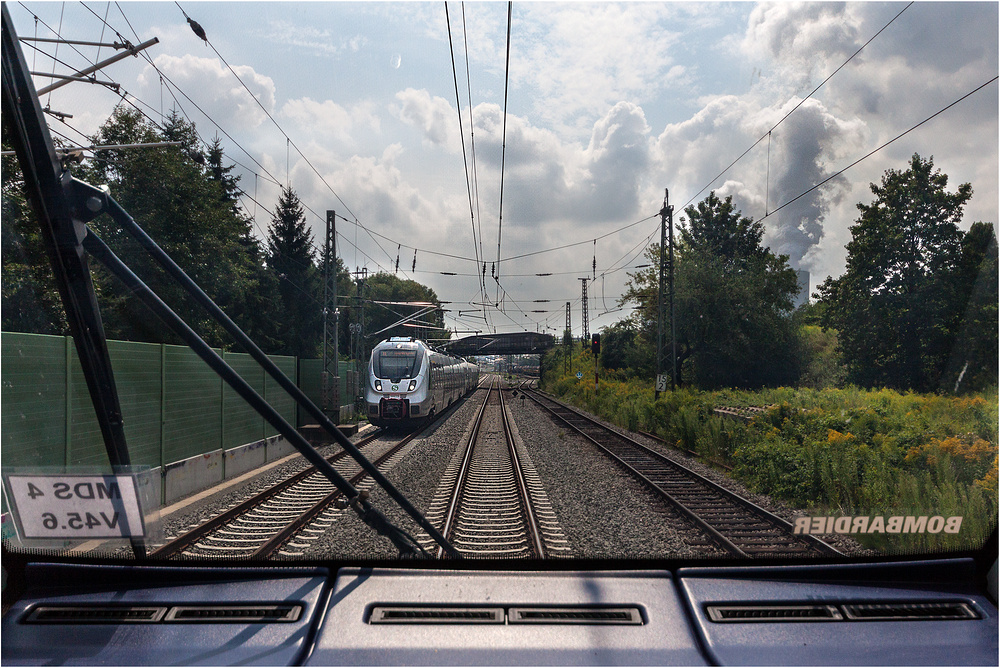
x=407 y=381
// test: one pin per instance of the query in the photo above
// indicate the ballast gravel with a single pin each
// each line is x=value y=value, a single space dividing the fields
x=605 y=514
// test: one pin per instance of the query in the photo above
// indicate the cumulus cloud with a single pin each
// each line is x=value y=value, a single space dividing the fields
x=329 y=120
x=433 y=115
x=220 y=94
x=801 y=35
x=583 y=59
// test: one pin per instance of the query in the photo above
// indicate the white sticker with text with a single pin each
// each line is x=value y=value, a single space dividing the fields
x=77 y=506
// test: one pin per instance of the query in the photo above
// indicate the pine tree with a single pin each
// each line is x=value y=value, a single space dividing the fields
x=291 y=258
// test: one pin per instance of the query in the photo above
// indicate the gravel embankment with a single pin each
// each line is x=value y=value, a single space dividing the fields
x=604 y=514
x=845 y=544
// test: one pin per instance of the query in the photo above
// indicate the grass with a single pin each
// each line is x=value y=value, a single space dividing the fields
x=829 y=451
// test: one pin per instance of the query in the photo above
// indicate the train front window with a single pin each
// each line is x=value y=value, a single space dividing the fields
x=397 y=364
x=712 y=281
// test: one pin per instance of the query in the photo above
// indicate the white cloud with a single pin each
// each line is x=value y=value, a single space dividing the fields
x=219 y=94
x=432 y=115
x=329 y=120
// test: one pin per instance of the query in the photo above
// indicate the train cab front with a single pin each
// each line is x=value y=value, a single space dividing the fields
x=396 y=367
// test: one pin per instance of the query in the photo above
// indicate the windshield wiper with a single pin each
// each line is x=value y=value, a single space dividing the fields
x=64 y=206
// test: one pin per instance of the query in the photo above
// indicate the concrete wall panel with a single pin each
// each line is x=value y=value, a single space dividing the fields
x=245 y=458
x=191 y=475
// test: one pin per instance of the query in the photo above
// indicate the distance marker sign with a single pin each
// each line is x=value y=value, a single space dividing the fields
x=65 y=506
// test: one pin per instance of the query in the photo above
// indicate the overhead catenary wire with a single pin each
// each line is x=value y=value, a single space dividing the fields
x=503 y=149
x=793 y=109
x=461 y=131
x=897 y=137
x=472 y=135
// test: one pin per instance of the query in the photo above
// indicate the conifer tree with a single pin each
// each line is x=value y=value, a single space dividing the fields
x=291 y=258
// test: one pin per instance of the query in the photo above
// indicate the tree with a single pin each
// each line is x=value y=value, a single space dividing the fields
x=30 y=301
x=193 y=217
x=733 y=300
x=910 y=272
x=290 y=256
x=621 y=349
x=386 y=287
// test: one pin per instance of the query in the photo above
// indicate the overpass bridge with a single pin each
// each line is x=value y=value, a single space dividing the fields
x=517 y=343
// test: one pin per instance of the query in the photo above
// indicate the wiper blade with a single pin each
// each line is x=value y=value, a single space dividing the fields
x=127 y=223
x=370 y=515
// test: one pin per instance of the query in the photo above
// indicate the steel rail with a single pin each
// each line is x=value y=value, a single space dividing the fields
x=513 y=496
x=271 y=547
x=201 y=531
x=534 y=533
x=761 y=514
x=463 y=471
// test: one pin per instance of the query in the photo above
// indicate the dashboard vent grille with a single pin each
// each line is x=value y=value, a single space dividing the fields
x=773 y=613
x=214 y=614
x=97 y=614
x=871 y=612
x=204 y=614
x=533 y=615
x=435 y=615
x=893 y=611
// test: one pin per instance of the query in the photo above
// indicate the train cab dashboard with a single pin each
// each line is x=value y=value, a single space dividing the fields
x=929 y=612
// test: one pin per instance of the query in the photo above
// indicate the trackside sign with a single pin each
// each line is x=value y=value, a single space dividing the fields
x=878 y=524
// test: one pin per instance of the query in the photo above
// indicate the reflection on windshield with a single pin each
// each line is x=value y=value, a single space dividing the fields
x=735 y=290
x=397 y=364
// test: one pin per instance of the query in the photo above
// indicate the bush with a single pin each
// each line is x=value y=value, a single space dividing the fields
x=833 y=451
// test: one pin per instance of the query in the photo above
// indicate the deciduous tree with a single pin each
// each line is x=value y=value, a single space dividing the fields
x=910 y=273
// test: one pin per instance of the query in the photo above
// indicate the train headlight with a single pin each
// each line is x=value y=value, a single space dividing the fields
x=378 y=385
x=413 y=385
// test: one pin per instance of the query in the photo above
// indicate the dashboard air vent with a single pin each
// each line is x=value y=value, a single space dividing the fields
x=241 y=614
x=435 y=615
x=902 y=611
x=95 y=614
x=538 y=615
x=773 y=613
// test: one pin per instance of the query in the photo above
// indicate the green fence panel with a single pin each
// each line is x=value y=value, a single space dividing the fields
x=33 y=400
x=242 y=424
x=276 y=396
x=310 y=382
x=192 y=423
x=137 y=368
x=174 y=406
x=86 y=444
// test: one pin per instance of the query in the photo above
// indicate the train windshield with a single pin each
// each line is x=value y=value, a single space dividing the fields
x=397 y=363
x=683 y=281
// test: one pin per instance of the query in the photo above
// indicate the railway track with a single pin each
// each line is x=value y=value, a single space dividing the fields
x=283 y=519
x=732 y=523
x=491 y=503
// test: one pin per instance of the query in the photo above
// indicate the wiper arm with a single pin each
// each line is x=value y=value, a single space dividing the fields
x=372 y=517
x=127 y=223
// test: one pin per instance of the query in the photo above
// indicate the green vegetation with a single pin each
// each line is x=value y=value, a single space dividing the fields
x=832 y=452
x=915 y=311
x=733 y=303
x=186 y=198
x=913 y=280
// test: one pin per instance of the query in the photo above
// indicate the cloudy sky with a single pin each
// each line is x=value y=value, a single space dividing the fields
x=607 y=106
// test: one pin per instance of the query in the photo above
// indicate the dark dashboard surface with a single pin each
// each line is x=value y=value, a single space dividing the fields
x=909 y=613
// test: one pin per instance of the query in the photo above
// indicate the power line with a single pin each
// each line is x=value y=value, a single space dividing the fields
x=768 y=133
x=472 y=136
x=461 y=130
x=899 y=136
x=503 y=150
